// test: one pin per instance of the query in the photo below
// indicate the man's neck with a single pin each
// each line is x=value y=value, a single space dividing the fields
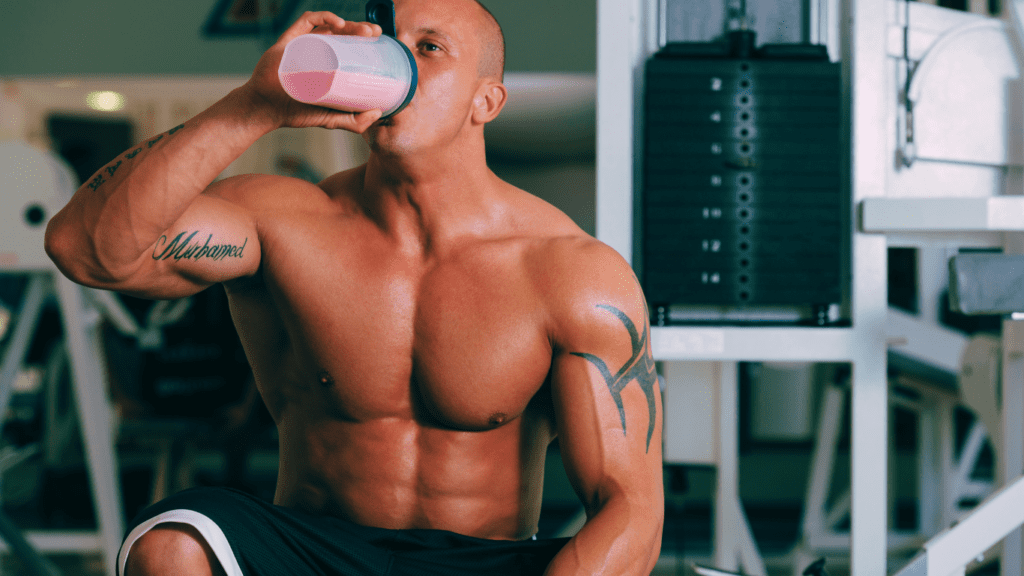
x=430 y=196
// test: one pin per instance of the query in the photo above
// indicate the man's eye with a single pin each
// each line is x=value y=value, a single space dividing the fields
x=430 y=47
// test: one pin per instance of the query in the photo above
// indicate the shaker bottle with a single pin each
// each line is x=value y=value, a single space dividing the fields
x=351 y=73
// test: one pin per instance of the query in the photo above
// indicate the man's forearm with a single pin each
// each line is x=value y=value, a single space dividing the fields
x=620 y=539
x=125 y=206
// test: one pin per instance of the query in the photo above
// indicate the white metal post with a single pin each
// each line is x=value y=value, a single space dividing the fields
x=823 y=18
x=932 y=274
x=950 y=506
x=866 y=85
x=734 y=541
x=97 y=419
x=24 y=329
x=823 y=462
x=1012 y=452
x=950 y=551
x=929 y=483
x=616 y=61
x=727 y=521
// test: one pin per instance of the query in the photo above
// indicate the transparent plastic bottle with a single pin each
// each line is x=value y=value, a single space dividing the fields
x=350 y=73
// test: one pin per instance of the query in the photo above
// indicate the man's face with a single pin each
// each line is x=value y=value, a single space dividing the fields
x=444 y=37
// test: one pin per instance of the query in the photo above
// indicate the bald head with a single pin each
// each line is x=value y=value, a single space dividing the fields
x=492 y=42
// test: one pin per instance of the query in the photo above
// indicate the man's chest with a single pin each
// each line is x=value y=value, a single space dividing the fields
x=460 y=340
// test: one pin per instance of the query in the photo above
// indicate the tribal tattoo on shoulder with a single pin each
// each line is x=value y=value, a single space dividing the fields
x=639 y=368
x=108 y=171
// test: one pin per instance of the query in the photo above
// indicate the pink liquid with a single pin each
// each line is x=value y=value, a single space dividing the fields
x=343 y=90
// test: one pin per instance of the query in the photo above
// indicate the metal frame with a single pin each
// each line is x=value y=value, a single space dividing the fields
x=627 y=34
x=96 y=418
x=13 y=359
x=943 y=479
x=704 y=397
x=1011 y=453
x=83 y=339
x=1000 y=516
x=734 y=540
x=950 y=552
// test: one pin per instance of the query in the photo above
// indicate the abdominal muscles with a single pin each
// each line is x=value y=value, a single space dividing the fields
x=395 y=473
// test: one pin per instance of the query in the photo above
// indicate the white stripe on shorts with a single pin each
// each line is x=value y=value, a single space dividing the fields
x=209 y=530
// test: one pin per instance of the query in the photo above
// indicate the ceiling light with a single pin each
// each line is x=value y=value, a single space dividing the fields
x=105 y=101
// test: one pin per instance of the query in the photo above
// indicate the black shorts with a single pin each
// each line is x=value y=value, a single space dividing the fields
x=251 y=537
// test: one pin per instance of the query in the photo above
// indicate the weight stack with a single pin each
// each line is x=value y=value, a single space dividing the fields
x=743 y=199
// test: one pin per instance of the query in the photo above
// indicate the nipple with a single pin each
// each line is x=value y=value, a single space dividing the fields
x=498 y=419
x=325 y=379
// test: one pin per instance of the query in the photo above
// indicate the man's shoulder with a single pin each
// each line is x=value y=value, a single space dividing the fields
x=576 y=252
x=274 y=194
x=579 y=277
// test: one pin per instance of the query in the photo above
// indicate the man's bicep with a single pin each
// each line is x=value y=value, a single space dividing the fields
x=214 y=241
x=608 y=405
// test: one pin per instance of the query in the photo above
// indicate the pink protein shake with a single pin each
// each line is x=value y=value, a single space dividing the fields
x=343 y=90
x=350 y=73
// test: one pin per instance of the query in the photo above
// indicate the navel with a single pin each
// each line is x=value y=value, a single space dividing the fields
x=498 y=418
x=325 y=379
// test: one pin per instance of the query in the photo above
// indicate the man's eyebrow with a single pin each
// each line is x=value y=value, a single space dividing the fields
x=433 y=32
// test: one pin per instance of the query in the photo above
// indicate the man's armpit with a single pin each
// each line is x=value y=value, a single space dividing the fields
x=639 y=368
x=191 y=245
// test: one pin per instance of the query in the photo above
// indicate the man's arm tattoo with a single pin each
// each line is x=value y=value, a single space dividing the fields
x=95 y=183
x=99 y=179
x=639 y=367
x=182 y=247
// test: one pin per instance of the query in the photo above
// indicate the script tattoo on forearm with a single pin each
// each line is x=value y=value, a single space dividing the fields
x=639 y=367
x=99 y=179
x=182 y=247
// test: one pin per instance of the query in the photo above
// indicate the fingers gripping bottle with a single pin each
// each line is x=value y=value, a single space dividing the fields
x=352 y=73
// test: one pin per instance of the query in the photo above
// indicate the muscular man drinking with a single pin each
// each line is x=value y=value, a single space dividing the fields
x=420 y=331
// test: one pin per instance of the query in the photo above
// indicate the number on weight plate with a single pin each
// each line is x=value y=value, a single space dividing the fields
x=712 y=213
x=712 y=245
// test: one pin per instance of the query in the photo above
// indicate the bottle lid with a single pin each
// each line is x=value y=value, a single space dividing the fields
x=382 y=13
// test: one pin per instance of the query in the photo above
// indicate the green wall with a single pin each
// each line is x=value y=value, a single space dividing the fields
x=63 y=37
x=548 y=35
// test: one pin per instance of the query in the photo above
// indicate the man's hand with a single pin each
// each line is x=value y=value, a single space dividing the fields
x=266 y=92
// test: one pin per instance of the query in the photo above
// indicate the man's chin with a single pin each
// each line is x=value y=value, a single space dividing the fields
x=382 y=140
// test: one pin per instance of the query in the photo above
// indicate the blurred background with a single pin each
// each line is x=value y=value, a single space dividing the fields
x=110 y=402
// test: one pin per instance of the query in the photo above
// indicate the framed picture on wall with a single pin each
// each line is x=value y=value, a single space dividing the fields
x=354 y=10
x=236 y=18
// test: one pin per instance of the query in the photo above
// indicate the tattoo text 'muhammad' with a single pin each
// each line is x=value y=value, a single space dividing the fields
x=182 y=247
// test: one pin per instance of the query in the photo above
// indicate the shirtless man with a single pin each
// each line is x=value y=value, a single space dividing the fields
x=420 y=331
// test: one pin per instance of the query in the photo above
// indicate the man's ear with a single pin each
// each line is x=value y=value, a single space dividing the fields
x=489 y=100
